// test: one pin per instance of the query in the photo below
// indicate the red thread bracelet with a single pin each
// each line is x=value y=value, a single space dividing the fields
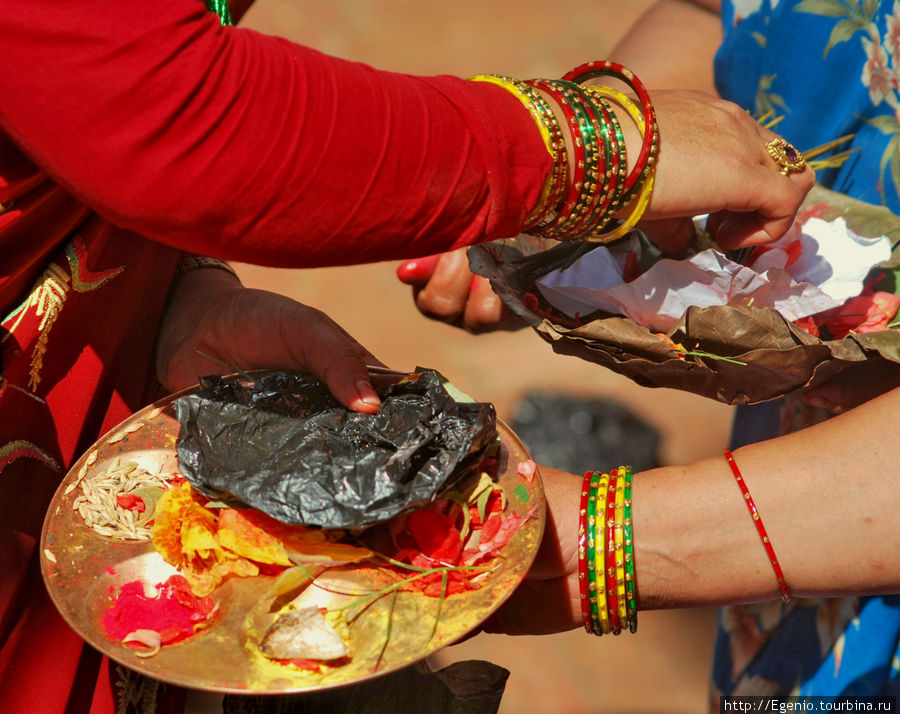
x=760 y=528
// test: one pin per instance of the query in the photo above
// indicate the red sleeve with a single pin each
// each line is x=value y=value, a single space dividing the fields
x=231 y=143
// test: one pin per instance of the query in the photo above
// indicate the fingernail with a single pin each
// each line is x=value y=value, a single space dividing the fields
x=490 y=303
x=417 y=270
x=408 y=271
x=816 y=401
x=367 y=394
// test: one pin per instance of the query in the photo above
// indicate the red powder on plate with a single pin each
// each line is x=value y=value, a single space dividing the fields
x=174 y=612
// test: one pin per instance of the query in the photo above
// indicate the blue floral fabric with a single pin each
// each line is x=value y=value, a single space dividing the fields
x=826 y=69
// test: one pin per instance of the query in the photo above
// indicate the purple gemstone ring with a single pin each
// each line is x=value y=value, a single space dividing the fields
x=786 y=156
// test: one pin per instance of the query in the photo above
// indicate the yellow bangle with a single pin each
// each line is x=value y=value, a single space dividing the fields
x=551 y=134
x=510 y=86
x=599 y=586
x=640 y=206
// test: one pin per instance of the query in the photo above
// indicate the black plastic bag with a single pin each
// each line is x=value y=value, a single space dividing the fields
x=286 y=446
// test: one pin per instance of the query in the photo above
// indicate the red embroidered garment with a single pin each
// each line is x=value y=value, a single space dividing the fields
x=121 y=118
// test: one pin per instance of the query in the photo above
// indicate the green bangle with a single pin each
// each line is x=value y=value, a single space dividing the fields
x=616 y=169
x=591 y=552
x=630 y=601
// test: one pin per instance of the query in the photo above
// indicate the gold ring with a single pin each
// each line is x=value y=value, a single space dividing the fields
x=786 y=156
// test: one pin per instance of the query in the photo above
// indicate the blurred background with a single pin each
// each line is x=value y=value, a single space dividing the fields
x=563 y=408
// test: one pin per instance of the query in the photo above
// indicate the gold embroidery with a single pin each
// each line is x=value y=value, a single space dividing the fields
x=83 y=280
x=48 y=297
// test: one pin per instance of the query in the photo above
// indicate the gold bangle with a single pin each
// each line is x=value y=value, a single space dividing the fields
x=551 y=134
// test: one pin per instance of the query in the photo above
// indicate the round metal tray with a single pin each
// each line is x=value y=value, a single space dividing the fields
x=82 y=568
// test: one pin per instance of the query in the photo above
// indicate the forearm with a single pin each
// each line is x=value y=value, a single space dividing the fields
x=671 y=46
x=227 y=142
x=826 y=496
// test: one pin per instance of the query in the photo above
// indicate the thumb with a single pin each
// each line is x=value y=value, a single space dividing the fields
x=330 y=353
x=344 y=370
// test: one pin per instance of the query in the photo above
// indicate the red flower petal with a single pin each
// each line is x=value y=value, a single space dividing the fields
x=808 y=324
x=435 y=534
x=491 y=526
x=430 y=585
x=527 y=469
x=131 y=502
x=869 y=312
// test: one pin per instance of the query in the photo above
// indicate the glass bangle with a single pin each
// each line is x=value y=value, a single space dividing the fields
x=583 y=584
x=600 y=193
x=584 y=153
x=630 y=600
x=608 y=68
x=620 y=548
x=645 y=185
x=612 y=603
x=600 y=556
x=592 y=552
x=613 y=176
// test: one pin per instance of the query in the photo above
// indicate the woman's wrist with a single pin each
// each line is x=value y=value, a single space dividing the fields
x=594 y=192
x=198 y=280
x=191 y=263
x=694 y=543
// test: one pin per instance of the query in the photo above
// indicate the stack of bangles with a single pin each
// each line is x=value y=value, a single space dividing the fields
x=606 y=576
x=606 y=553
x=589 y=205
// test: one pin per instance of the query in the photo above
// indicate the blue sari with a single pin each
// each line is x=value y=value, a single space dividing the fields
x=827 y=69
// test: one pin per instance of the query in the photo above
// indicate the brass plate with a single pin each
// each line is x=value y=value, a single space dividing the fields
x=80 y=567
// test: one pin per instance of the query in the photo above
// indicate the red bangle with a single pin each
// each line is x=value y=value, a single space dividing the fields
x=580 y=161
x=612 y=599
x=607 y=68
x=760 y=528
x=582 y=554
x=611 y=187
x=608 y=187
